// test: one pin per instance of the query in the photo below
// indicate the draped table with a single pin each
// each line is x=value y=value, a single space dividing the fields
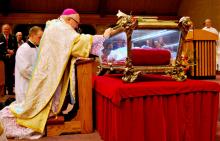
x=155 y=108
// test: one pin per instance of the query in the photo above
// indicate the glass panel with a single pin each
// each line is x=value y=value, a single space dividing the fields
x=168 y=39
x=115 y=50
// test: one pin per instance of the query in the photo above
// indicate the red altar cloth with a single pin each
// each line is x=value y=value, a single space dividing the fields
x=157 y=109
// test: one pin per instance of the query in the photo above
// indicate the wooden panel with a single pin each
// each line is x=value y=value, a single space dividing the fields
x=205 y=58
x=144 y=7
x=25 y=5
x=33 y=18
x=211 y=58
x=67 y=127
x=197 y=58
x=214 y=57
x=82 y=6
x=41 y=18
x=50 y=7
x=53 y=6
x=84 y=75
x=204 y=46
x=199 y=34
x=83 y=122
x=200 y=58
x=140 y=7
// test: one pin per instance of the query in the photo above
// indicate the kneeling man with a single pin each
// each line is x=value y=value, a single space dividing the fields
x=25 y=59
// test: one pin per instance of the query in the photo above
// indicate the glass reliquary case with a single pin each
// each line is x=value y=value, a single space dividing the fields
x=141 y=46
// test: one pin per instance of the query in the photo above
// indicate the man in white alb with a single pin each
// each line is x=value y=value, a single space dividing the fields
x=25 y=60
x=208 y=27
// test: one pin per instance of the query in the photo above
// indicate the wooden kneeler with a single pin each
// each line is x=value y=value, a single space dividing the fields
x=83 y=122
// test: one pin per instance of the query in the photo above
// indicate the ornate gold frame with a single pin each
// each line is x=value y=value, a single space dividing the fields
x=127 y=24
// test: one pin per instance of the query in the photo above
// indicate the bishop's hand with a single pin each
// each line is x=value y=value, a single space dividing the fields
x=107 y=33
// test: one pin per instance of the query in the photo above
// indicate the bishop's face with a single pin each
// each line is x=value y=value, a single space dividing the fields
x=74 y=21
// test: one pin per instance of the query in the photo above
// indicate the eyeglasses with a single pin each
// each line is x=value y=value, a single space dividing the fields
x=75 y=20
x=77 y=29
